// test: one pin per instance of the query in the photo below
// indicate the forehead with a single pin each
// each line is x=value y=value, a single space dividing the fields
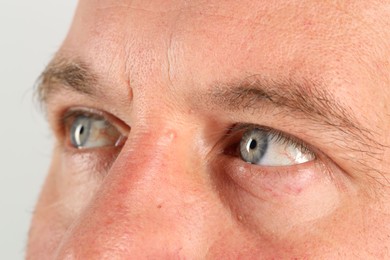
x=186 y=41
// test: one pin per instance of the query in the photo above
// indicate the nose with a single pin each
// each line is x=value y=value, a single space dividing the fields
x=156 y=202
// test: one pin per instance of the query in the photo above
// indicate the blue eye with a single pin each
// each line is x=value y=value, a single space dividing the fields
x=93 y=131
x=80 y=131
x=269 y=148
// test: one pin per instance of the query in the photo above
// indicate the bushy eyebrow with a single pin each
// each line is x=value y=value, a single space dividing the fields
x=308 y=98
x=66 y=73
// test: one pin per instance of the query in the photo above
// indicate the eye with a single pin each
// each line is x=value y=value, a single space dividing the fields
x=87 y=131
x=271 y=148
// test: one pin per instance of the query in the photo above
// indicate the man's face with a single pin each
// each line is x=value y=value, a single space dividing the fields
x=218 y=129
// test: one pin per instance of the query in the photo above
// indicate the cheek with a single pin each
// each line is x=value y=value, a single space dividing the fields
x=278 y=215
x=67 y=190
x=76 y=180
x=275 y=203
x=49 y=224
x=46 y=233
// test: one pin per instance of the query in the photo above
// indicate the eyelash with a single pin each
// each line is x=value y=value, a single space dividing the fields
x=236 y=132
x=70 y=115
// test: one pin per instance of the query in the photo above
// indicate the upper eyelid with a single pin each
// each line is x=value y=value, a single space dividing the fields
x=73 y=113
x=65 y=118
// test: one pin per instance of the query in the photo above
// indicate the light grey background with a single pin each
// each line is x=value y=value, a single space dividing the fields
x=30 y=33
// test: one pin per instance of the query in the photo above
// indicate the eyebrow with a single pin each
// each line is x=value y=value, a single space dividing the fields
x=66 y=73
x=311 y=99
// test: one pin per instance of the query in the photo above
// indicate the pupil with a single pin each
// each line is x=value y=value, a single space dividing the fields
x=81 y=130
x=253 y=144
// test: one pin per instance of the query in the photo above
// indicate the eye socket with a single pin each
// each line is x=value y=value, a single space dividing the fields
x=266 y=147
x=86 y=130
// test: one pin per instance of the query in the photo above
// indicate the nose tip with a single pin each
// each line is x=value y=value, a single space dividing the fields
x=150 y=204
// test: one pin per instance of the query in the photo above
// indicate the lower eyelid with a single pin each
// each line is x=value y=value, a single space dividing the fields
x=263 y=182
x=98 y=161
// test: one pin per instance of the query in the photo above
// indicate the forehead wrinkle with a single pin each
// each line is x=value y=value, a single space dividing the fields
x=66 y=73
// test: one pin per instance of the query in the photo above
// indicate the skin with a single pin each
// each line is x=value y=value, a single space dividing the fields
x=170 y=190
